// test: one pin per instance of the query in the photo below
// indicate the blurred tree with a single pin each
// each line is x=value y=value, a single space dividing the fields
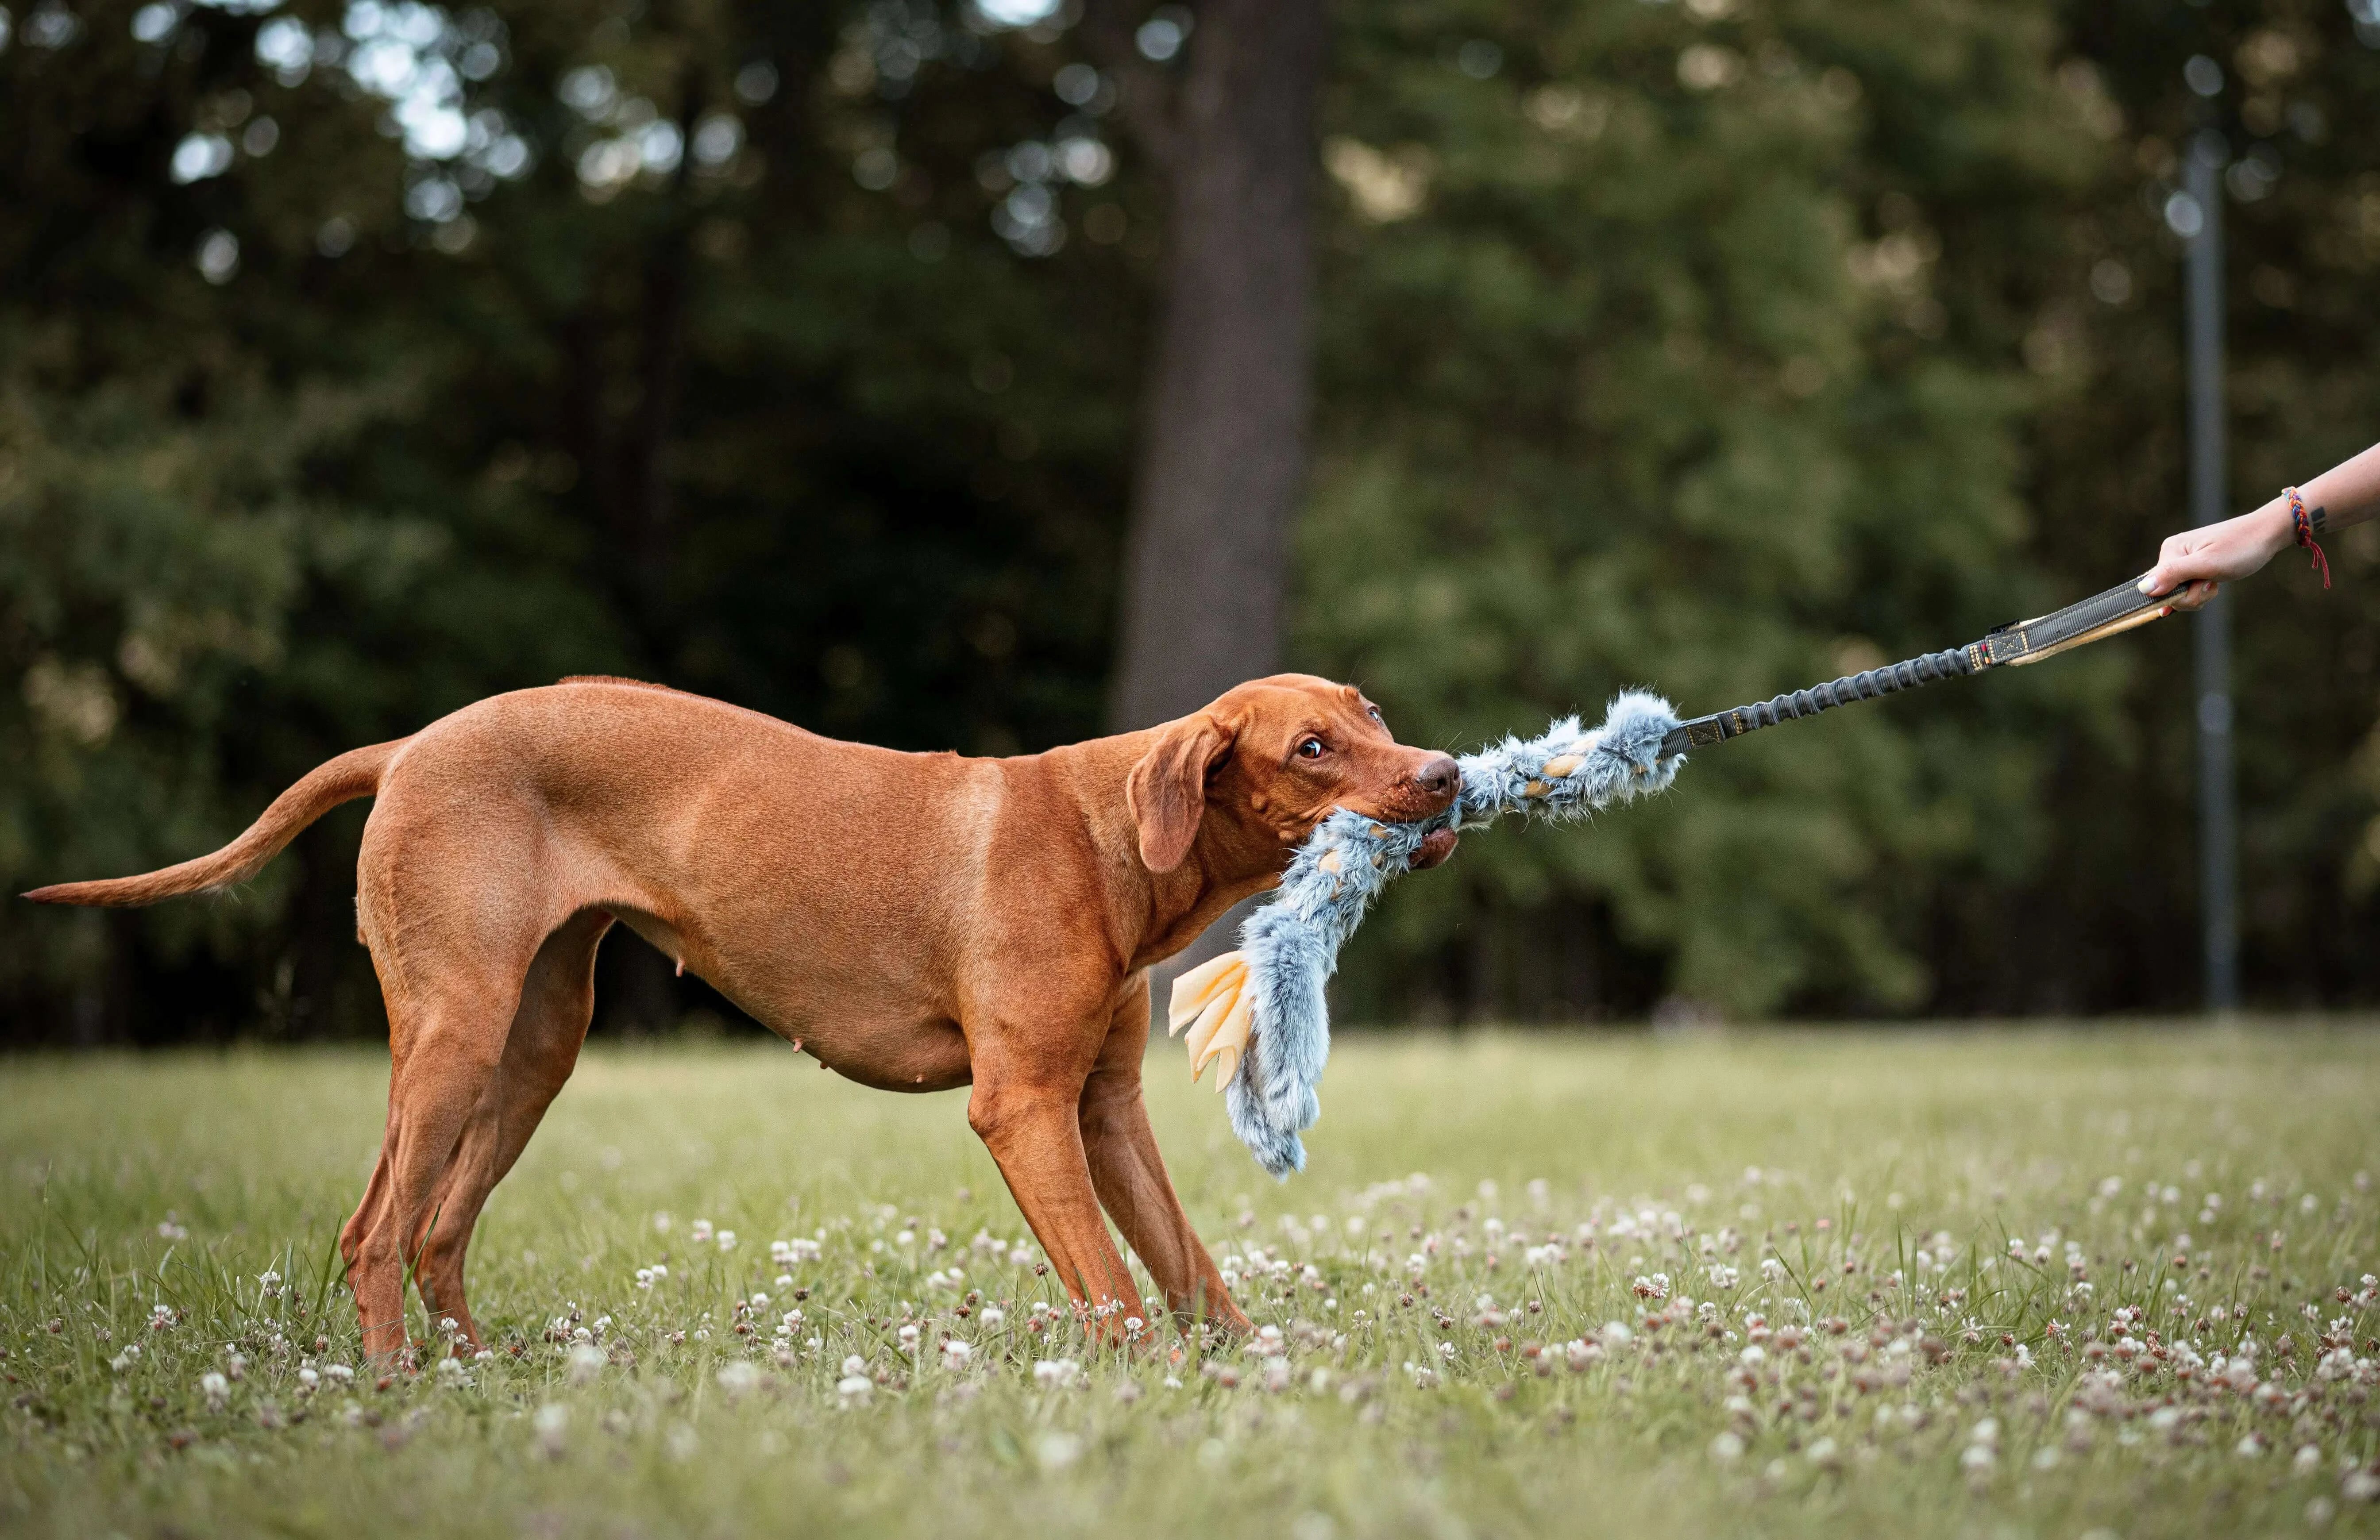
x=361 y=361
x=1221 y=463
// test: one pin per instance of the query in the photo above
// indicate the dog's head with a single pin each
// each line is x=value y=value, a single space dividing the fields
x=1275 y=755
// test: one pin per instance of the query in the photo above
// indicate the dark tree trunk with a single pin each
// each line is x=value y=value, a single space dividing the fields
x=1223 y=458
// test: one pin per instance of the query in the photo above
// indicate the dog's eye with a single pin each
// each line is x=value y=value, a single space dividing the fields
x=1374 y=713
x=1310 y=749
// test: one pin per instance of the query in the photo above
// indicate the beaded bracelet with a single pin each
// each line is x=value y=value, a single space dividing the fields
x=2305 y=531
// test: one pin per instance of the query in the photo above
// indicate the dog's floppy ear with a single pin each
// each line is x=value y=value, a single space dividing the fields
x=1166 y=791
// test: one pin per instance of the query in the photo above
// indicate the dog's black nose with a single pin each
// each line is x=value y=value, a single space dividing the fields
x=1440 y=777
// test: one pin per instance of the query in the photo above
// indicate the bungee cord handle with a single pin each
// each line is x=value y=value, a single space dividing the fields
x=2011 y=646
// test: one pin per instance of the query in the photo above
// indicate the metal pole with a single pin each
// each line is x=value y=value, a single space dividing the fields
x=2219 y=836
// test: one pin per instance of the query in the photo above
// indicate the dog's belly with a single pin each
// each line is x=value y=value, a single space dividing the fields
x=923 y=1056
x=893 y=1045
x=876 y=1025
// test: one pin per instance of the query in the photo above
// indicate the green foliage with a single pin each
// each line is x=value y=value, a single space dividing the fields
x=1726 y=349
x=359 y=424
x=1720 y=347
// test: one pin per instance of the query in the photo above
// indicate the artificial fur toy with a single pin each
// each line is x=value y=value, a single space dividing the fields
x=1261 y=1010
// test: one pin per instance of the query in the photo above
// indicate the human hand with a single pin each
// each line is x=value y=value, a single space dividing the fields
x=2193 y=565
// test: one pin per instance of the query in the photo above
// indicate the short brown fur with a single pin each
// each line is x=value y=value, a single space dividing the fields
x=918 y=921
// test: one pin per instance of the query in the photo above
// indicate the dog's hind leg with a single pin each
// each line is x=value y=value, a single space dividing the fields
x=557 y=1001
x=451 y=988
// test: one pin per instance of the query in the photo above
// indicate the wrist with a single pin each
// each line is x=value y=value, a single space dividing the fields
x=2275 y=526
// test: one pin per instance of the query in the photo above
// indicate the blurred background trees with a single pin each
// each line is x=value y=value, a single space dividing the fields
x=356 y=361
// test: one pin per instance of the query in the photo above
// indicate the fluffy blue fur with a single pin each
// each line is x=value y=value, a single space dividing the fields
x=1291 y=944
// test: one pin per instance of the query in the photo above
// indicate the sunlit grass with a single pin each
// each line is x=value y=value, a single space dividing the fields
x=2023 y=1281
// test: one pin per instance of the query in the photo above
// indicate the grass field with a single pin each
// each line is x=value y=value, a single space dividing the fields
x=1991 y=1284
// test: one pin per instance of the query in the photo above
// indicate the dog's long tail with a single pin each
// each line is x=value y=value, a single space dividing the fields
x=353 y=774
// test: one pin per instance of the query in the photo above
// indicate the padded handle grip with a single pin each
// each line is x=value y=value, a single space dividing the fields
x=2099 y=616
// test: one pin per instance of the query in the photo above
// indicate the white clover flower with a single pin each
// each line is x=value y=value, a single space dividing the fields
x=854 y=1389
x=551 y=1421
x=1055 y=1451
x=992 y=1316
x=956 y=1354
x=586 y=1363
x=339 y=1373
x=1727 y=1448
x=738 y=1379
x=727 y=1239
x=701 y=1230
x=1056 y=1374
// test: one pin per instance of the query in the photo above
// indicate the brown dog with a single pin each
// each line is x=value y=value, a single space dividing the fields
x=918 y=921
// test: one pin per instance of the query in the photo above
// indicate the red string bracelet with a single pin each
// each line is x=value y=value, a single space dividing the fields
x=2305 y=531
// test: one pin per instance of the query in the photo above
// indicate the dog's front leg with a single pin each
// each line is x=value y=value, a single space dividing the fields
x=1129 y=1174
x=1028 y=1121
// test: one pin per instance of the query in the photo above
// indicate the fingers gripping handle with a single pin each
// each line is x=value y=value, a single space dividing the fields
x=1958 y=662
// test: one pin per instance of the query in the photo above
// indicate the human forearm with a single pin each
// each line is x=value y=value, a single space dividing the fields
x=2196 y=561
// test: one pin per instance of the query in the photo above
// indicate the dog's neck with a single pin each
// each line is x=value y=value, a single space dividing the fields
x=1154 y=914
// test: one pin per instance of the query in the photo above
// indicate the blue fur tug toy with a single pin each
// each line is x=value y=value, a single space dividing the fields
x=1261 y=1010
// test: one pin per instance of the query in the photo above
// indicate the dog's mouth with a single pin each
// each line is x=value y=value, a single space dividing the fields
x=1435 y=846
x=1406 y=804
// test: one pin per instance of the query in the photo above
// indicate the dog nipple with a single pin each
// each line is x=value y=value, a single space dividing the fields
x=797 y=1045
x=681 y=967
